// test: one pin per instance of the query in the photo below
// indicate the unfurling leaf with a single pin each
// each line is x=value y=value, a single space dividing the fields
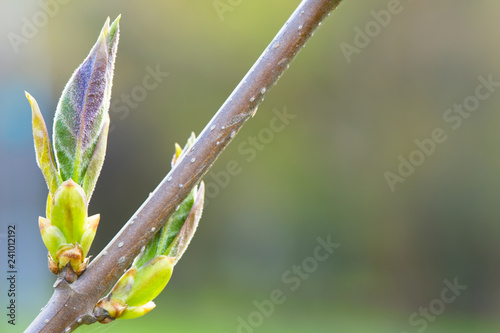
x=180 y=243
x=81 y=126
x=186 y=217
x=166 y=235
x=81 y=120
x=44 y=154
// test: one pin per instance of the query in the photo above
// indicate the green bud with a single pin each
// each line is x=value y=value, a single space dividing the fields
x=150 y=280
x=123 y=287
x=132 y=295
x=69 y=211
x=177 y=154
x=179 y=150
x=72 y=256
x=68 y=233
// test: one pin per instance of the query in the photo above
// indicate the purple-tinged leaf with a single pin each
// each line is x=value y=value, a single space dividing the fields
x=82 y=112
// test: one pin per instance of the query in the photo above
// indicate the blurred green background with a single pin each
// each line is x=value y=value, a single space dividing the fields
x=321 y=176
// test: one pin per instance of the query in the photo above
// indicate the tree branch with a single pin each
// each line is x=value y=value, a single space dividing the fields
x=72 y=304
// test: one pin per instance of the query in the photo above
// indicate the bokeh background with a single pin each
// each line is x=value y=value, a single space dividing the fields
x=321 y=176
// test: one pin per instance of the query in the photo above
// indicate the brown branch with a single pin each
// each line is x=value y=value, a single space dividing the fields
x=72 y=304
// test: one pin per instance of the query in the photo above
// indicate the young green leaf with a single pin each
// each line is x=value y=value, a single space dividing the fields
x=164 y=238
x=96 y=160
x=179 y=245
x=166 y=235
x=90 y=229
x=44 y=154
x=52 y=237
